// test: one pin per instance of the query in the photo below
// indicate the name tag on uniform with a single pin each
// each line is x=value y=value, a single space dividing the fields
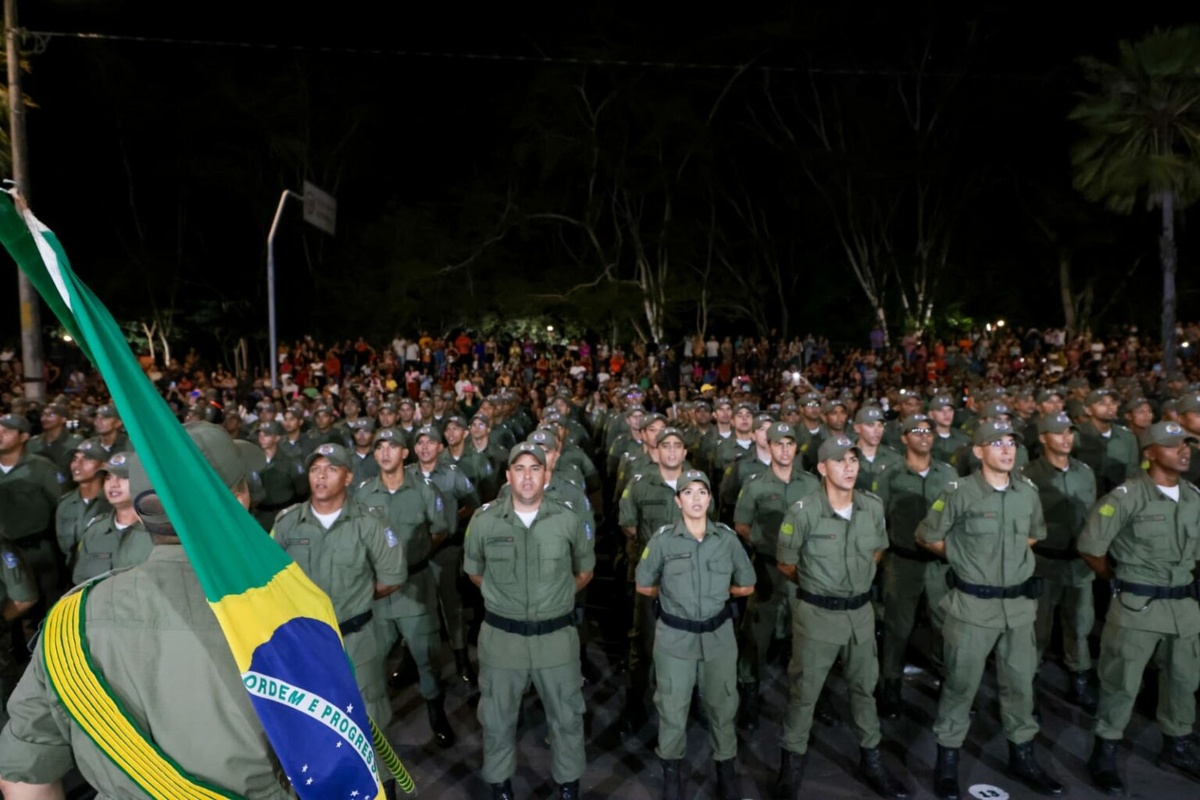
x=297 y=541
x=677 y=555
x=1150 y=518
x=499 y=539
x=985 y=515
x=822 y=536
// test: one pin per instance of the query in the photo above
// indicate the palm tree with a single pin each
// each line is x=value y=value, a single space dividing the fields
x=1142 y=142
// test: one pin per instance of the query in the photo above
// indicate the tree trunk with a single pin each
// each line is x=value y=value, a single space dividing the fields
x=1169 y=258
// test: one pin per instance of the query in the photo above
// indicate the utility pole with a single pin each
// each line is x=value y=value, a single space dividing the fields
x=31 y=310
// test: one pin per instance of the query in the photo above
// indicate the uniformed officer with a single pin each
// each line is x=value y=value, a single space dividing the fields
x=323 y=431
x=875 y=456
x=36 y=486
x=362 y=431
x=909 y=572
x=110 y=430
x=18 y=594
x=984 y=526
x=86 y=501
x=829 y=545
x=481 y=445
x=740 y=442
x=284 y=479
x=116 y=539
x=460 y=498
x=153 y=637
x=529 y=556
x=294 y=442
x=347 y=552
x=753 y=462
x=692 y=569
x=759 y=511
x=965 y=460
x=1145 y=538
x=1067 y=489
x=947 y=437
x=1109 y=449
x=647 y=504
x=55 y=442
x=908 y=404
x=416 y=516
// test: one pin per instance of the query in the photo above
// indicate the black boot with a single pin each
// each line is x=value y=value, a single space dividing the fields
x=462 y=662
x=1082 y=693
x=825 y=713
x=945 y=774
x=503 y=791
x=443 y=734
x=568 y=791
x=791 y=775
x=1103 y=766
x=889 y=699
x=876 y=775
x=1024 y=767
x=1180 y=753
x=748 y=712
x=727 y=781
x=672 y=780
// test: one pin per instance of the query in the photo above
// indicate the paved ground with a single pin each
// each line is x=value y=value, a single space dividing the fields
x=629 y=769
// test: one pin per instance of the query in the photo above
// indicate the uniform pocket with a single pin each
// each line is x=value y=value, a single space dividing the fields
x=500 y=562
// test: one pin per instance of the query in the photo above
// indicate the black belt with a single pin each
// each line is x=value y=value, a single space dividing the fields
x=355 y=624
x=1031 y=588
x=911 y=555
x=834 y=603
x=528 y=627
x=697 y=625
x=1054 y=554
x=417 y=566
x=1191 y=590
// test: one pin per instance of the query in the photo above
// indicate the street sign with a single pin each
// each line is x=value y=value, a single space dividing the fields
x=320 y=208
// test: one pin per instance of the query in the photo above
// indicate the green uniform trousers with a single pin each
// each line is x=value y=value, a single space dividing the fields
x=1124 y=653
x=367 y=658
x=904 y=581
x=420 y=634
x=1072 y=598
x=811 y=661
x=447 y=565
x=965 y=653
x=561 y=691
x=717 y=679
x=765 y=617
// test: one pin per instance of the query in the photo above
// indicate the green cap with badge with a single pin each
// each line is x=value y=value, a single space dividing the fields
x=1165 y=434
x=527 y=449
x=780 y=431
x=835 y=448
x=334 y=453
x=667 y=433
x=15 y=422
x=390 y=435
x=993 y=431
x=117 y=464
x=868 y=414
x=915 y=422
x=1056 y=423
x=692 y=476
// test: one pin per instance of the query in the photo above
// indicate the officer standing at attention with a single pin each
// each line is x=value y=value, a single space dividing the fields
x=284 y=479
x=36 y=487
x=1108 y=448
x=829 y=545
x=1067 y=489
x=116 y=539
x=415 y=515
x=349 y=553
x=84 y=502
x=1148 y=526
x=147 y=628
x=759 y=511
x=984 y=525
x=909 y=571
x=693 y=569
x=529 y=556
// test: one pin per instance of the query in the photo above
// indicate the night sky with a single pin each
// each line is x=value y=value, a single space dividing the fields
x=159 y=164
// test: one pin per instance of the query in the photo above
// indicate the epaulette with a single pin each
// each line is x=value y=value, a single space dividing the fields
x=89 y=523
x=869 y=494
x=1029 y=483
x=1190 y=485
x=951 y=486
x=661 y=529
x=287 y=511
x=722 y=526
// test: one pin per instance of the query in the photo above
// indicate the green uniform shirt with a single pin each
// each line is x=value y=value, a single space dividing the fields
x=693 y=578
x=945 y=448
x=729 y=450
x=73 y=515
x=906 y=497
x=575 y=457
x=735 y=476
x=60 y=451
x=348 y=559
x=528 y=574
x=104 y=547
x=569 y=494
x=16 y=582
x=986 y=531
x=763 y=501
x=965 y=462
x=456 y=490
x=1115 y=458
x=35 y=486
x=647 y=504
x=1067 y=496
x=1153 y=540
x=155 y=639
x=871 y=472
x=298 y=449
x=415 y=513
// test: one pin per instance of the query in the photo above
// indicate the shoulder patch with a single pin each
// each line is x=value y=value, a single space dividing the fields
x=938 y=505
x=10 y=559
x=391 y=537
x=646 y=552
x=787 y=529
x=1108 y=510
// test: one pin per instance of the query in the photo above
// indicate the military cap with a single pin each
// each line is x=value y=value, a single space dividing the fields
x=701 y=405
x=271 y=428
x=1018 y=392
x=810 y=399
x=667 y=433
x=389 y=406
x=390 y=435
x=1046 y=394
x=429 y=432
x=481 y=417
x=692 y=476
x=1137 y=401
x=941 y=401
x=634 y=410
x=335 y=453
x=361 y=424
x=92 y=449
x=993 y=431
x=1096 y=395
x=527 y=449
x=547 y=440
x=405 y=401
x=1189 y=402
x=722 y=401
x=295 y=411
x=59 y=409
x=264 y=405
x=1056 y=423
x=834 y=402
x=15 y=422
x=457 y=419
x=744 y=406
x=835 y=448
x=117 y=464
x=1175 y=376
x=653 y=418
x=868 y=414
x=1165 y=433
x=107 y=411
x=1170 y=404
x=915 y=422
x=993 y=410
x=763 y=418
x=323 y=409
x=780 y=431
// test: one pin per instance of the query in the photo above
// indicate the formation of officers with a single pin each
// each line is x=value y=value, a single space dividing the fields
x=812 y=529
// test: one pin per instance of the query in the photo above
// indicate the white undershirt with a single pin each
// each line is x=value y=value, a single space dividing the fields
x=7 y=470
x=845 y=513
x=672 y=484
x=527 y=517
x=1170 y=491
x=327 y=520
x=924 y=473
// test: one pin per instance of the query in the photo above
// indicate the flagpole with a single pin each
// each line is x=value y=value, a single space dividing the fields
x=273 y=344
x=31 y=310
